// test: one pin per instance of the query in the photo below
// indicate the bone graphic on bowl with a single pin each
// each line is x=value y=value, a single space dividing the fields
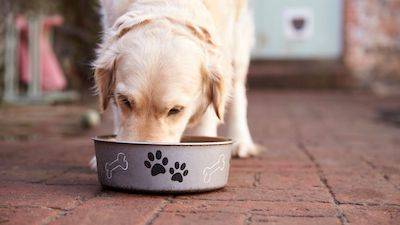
x=209 y=171
x=119 y=162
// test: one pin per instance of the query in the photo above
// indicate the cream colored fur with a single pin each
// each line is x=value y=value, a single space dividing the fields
x=167 y=66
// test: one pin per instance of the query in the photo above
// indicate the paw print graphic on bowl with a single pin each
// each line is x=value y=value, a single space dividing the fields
x=156 y=163
x=179 y=172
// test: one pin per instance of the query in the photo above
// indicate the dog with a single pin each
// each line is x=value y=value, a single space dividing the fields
x=170 y=66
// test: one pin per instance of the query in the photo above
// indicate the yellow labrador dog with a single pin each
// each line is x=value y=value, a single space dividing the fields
x=169 y=66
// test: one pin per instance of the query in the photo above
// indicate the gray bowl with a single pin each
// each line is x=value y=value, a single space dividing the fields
x=197 y=164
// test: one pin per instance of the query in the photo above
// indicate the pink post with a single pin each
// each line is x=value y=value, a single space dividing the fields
x=52 y=77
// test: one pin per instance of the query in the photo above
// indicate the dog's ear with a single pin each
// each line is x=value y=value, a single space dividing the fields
x=218 y=81
x=218 y=92
x=104 y=77
x=105 y=84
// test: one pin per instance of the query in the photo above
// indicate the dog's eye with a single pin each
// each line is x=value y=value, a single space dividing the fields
x=125 y=102
x=175 y=110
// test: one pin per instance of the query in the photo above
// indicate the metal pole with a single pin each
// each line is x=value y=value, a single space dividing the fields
x=34 y=89
x=10 y=61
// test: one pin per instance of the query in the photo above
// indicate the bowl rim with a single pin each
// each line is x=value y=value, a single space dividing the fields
x=212 y=141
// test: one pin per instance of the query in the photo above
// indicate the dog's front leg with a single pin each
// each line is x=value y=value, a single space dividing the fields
x=237 y=126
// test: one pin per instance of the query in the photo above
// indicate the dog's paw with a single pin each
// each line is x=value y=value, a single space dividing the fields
x=93 y=164
x=245 y=150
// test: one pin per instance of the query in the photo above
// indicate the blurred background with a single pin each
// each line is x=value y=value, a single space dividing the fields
x=345 y=44
x=331 y=43
x=341 y=45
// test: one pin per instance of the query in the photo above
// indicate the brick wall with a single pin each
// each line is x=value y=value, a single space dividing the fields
x=372 y=40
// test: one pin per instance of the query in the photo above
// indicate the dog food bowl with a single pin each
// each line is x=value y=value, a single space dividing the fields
x=197 y=164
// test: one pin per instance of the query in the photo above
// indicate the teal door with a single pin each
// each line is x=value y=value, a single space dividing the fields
x=297 y=29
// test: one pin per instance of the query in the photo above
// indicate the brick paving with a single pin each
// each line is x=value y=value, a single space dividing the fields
x=330 y=160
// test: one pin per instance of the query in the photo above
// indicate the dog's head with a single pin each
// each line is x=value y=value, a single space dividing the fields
x=161 y=75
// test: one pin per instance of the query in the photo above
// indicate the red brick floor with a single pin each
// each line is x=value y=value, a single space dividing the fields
x=330 y=160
